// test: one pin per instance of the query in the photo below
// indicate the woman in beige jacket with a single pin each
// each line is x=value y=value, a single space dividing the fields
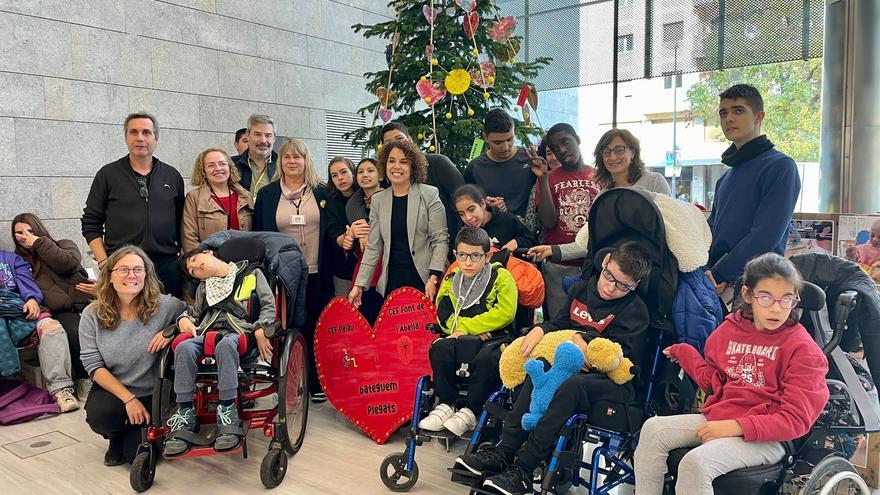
x=218 y=203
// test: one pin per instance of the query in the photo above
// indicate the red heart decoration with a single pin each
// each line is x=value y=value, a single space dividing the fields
x=470 y=21
x=370 y=374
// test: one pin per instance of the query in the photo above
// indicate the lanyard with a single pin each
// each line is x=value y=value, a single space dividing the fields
x=296 y=204
x=226 y=212
x=259 y=180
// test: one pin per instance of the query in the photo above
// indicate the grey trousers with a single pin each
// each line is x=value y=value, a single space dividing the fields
x=701 y=465
x=186 y=368
x=554 y=296
x=54 y=354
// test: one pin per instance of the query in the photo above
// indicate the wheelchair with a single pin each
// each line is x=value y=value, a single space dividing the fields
x=284 y=422
x=399 y=471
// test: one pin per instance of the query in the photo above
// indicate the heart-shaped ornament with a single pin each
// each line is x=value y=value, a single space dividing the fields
x=471 y=21
x=385 y=115
x=386 y=96
x=481 y=76
x=467 y=5
x=370 y=374
x=428 y=12
x=430 y=93
x=502 y=29
x=507 y=52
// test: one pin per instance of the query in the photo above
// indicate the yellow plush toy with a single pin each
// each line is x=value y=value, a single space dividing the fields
x=602 y=354
x=607 y=357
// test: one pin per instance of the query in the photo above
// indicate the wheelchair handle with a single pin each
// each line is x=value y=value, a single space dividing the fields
x=169 y=331
x=846 y=303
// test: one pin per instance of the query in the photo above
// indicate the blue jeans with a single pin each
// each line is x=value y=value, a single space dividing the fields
x=186 y=367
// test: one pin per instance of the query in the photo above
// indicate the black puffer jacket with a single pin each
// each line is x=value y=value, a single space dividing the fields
x=835 y=275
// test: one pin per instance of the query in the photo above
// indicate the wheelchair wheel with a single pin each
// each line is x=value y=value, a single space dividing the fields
x=397 y=464
x=834 y=475
x=293 y=393
x=143 y=471
x=273 y=468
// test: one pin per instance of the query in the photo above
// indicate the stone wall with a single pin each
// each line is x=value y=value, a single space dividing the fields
x=71 y=70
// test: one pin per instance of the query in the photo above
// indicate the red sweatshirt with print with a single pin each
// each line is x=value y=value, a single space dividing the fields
x=771 y=383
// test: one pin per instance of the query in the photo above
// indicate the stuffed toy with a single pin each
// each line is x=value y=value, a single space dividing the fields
x=607 y=357
x=512 y=363
x=568 y=360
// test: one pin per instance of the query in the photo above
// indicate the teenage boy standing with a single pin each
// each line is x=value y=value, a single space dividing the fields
x=755 y=199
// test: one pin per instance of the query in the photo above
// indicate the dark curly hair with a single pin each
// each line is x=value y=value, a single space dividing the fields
x=417 y=161
x=636 y=166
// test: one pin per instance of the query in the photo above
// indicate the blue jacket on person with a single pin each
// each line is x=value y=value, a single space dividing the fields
x=751 y=213
x=696 y=310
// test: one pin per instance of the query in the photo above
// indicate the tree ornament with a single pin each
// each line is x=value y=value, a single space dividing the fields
x=448 y=115
x=430 y=93
x=470 y=22
x=428 y=12
x=485 y=96
x=470 y=112
x=484 y=75
x=507 y=52
x=385 y=115
x=502 y=29
x=475 y=52
x=458 y=81
x=467 y=5
x=432 y=148
x=434 y=61
x=420 y=136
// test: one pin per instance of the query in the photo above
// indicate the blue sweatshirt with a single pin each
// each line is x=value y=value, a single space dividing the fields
x=15 y=276
x=754 y=201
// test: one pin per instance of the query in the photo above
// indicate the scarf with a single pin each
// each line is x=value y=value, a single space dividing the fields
x=733 y=156
x=219 y=288
x=468 y=290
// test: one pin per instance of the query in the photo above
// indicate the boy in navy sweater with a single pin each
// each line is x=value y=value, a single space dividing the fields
x=755 y=199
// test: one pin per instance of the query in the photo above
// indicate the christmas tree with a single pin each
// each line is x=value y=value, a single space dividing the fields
x=449 y=63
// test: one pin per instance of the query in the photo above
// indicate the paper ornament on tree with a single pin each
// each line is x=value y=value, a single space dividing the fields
x=502 y=29
x=428 y=12
x=507 y=52
x=484 y=76
x=385 y=115
x=370 y=374
x=430 y=93
x=471 y=22
x=386 y=97
x=457 y=81
x=467 y=5
x=429 y=51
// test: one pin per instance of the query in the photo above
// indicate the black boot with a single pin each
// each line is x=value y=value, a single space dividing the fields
x=115 y=455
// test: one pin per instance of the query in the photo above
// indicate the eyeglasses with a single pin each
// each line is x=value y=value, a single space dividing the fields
x=144 y=192
x=125 y=271
x=617 y=283
x=785 y=302
x=474 y=257
x=215 y=165
x=617 y=150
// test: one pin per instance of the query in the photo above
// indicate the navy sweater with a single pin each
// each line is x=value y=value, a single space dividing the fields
x=754 y=201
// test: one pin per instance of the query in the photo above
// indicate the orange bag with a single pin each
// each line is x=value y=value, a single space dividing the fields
x=529 y=282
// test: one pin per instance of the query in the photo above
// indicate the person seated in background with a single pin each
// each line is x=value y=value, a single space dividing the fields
x=221 y=305
x=218 y=202
x=20 y=317
x=65 y=284
x=476 y=298
x=606 y=305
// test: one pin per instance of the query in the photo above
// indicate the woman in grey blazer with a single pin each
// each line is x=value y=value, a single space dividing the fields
x=407 y=227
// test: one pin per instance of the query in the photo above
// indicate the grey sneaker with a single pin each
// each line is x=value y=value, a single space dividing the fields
x=66 y=400
x=229 y=431
x=184 y=420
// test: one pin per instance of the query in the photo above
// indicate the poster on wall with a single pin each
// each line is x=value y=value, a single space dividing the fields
x=811 y=234
x=859 y=241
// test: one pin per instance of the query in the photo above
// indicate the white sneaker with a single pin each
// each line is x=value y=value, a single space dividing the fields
x=435 y=419
x=461 y=422
x=66 y=400
x=83 y=386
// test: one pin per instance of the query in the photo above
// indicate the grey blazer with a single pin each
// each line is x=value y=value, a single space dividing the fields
x=426 y=230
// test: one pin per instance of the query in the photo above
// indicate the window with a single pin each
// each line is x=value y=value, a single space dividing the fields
x=673 y=32
x=667 y=81
x=625 y=43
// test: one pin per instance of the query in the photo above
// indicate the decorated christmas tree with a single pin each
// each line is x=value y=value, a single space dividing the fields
x=448 y=64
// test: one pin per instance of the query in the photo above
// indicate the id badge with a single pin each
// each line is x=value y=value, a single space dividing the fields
x=297 y=220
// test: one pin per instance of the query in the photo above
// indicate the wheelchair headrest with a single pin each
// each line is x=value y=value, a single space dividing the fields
x=242 y=249
x=812 y=297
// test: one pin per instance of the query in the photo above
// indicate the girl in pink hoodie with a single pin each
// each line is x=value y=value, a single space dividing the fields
x=766 y=380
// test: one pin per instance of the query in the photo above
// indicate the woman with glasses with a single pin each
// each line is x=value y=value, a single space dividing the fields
x=477 y=298
x=295 y=204
x=218 y=202
x=618 y=156
x=407 y=227
x=57 y=269
x=120 y=338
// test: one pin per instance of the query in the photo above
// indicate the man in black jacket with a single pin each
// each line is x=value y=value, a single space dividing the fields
x=137 y=200
x=256 y=164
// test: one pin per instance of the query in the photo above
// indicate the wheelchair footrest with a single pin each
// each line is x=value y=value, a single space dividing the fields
x=465 y=477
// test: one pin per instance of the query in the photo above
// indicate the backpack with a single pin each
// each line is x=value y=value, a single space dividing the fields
x=21 y=402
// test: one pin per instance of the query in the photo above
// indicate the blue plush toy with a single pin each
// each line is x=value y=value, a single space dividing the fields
x=567 y=361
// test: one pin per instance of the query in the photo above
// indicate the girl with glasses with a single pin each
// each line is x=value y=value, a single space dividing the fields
x=767 y=378
x=618 y=156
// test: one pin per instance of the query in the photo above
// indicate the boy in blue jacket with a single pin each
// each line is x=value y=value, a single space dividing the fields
x=755 y=199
